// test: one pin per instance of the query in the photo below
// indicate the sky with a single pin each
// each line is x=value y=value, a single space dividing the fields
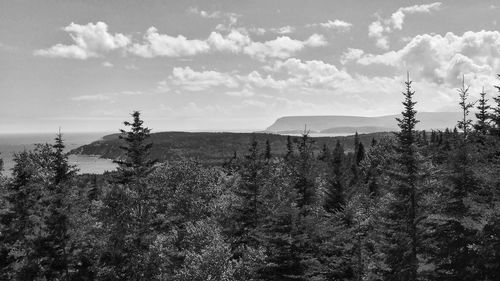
x=85 y=65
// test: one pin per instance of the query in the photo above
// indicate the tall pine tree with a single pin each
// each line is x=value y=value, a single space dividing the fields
x=482 y=124
x=402 y=213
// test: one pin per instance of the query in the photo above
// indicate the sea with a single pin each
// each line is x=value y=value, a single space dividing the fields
x=14 y=143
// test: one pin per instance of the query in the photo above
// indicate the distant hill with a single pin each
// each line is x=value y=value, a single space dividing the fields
x=210 y=148
x=350 y=124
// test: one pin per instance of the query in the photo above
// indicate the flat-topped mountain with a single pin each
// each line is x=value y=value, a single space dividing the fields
x=350 y=124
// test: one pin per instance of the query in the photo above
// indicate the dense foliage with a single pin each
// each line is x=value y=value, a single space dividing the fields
x=412 y=206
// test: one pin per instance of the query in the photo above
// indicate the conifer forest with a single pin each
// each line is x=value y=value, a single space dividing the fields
x=413 y=205
x=249 y=140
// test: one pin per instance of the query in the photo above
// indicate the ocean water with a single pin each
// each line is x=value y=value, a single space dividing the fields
x=12 y=143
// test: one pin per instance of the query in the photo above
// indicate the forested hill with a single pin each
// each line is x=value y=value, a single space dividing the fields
x=211 y=147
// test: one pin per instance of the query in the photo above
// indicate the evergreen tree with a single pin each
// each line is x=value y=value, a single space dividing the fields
x=267 y=152
x=465 y=124
x=63 y=171
x=360 y=154
x=324 y=154
x=247 y=211
x=303 y=172
x=495 y=115
x=289 y=148
x=334 y=193
x=137 y=149
x=128 y=209
x=37 y=215
x=55 y=243
x=482 y=123
x=453 y=235
x=402 y=255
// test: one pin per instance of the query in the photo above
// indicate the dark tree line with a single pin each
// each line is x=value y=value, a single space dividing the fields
x=415 y=206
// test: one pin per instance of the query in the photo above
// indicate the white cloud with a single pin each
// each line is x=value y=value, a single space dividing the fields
x=233 y=42
x=296 y=74
x=380 y=28
x=94 y=40
x=256 y=79
x=337 y=24
x=284 y=29
x=257 y=30
x=191 y=80
x=316 y=40
x=376 y=30
x=352 y=54
x=107 y=64
x=205 y=14
x=313 y=73
x=90 y=40
x=164 y=45
x=282 y=47
x=98 y=97
x=444 y=59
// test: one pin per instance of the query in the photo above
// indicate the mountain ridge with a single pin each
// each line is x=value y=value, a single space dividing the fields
x=361 y=124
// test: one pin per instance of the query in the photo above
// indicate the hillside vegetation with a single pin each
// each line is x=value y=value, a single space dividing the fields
x=212 y=148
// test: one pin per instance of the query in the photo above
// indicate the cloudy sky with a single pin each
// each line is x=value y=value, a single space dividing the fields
x=85 y=65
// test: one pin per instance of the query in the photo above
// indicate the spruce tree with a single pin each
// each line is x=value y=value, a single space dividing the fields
x=63 y=171
x=495 y=115
x=402 y=256
x=267 y=152
x=128 y=211
x=137 y=162
x=465 y=124
x=304 y=172
x=360 y=154
x=334 y=194
x=289 y=148
x=452 y=232
x=247 y=211
x=482 y=123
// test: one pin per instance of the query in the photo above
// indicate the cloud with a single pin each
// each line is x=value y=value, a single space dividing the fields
x=283 y=30
x=234 y=42
x=90 y=40
x=352 y=54
x=376 y=30
x=98 y=97
x=337 y=24
x=257 y=79
x=297 y=74
x=313 y=73
x=191 y=80
x=164 y=45
x=380 y=28
x=107 y=64
x=282 y=47
x=205 y=14
x=316 y=40
x=257 y=30
x=444 y=59
x=287 y=29
x=94 y=40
